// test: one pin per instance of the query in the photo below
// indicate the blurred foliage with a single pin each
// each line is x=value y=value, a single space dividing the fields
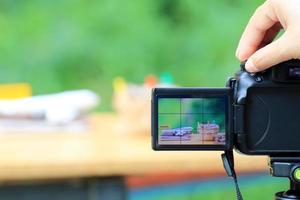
x=176 y=113
x=69 y=44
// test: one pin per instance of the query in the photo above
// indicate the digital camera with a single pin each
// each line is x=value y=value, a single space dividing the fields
x=256 y=113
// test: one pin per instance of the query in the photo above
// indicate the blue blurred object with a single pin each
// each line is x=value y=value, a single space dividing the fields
x=253 y=186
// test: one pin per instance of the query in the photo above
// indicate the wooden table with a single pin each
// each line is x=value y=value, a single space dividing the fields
x=101 y=152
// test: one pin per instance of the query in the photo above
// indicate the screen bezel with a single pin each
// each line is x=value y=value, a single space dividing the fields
x=158 y=93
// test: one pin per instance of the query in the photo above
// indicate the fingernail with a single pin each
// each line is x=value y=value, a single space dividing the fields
x=241 y=55
x=250 y=67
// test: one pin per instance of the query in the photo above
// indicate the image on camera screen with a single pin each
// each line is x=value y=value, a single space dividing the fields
x=191 y=121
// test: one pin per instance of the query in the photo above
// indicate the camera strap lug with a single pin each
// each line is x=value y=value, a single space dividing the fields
x=228 y=163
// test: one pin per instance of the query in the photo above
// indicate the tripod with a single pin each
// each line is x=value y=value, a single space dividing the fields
x=288 y=167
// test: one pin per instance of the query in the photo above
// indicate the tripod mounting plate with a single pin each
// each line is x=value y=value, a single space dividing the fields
x=285 y=167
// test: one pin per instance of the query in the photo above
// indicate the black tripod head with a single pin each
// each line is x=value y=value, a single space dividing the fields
x=288 y=167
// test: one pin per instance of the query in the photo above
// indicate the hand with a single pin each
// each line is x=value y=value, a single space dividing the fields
x=257 y=45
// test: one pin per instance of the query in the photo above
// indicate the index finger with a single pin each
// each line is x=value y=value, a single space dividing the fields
x=262 y=20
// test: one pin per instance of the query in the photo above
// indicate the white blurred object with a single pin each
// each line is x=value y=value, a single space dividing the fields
x=57 y=108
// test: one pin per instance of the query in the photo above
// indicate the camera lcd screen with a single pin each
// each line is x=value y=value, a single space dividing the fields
x=191 y=121
x=196 y=120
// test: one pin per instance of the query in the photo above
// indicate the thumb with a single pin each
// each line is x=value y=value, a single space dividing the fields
x=271 y=54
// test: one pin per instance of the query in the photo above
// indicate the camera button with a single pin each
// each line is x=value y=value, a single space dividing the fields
x=258 y=79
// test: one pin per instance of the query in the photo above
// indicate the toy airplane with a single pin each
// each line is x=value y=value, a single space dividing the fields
x=177 y=131
x=58 y=108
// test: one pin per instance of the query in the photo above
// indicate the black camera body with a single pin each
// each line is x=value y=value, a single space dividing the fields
x=266 y=110
x=261 y=114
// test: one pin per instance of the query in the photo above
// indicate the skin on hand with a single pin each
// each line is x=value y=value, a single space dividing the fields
x=256 y=44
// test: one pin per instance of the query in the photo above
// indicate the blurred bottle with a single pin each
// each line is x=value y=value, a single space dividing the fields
x=150 y=81
x=166 y=79
x=15 y=91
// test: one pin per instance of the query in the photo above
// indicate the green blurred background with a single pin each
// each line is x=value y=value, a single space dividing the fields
x=70 y=44
x=58 y=45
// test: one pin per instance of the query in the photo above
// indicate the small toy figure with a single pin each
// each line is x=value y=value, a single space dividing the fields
x=208 y=131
